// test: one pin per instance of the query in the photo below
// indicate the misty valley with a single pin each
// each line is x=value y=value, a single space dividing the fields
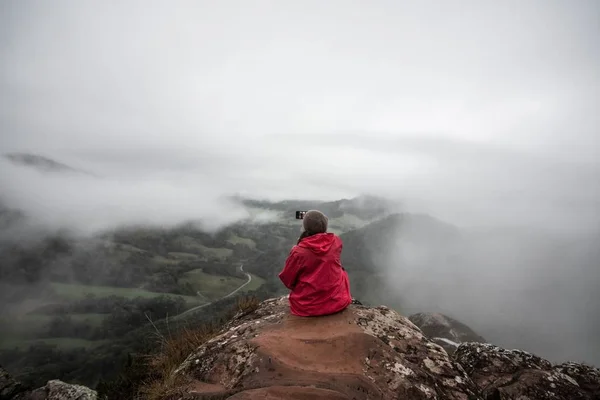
x=348 y=200
x=85 y=307
x=78 y=308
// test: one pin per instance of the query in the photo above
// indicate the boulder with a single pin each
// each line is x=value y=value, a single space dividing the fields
x=587 y=377
x=10 y=389
x=359 y=353
x=514 y=374
x=59 y=390
x=445 y=331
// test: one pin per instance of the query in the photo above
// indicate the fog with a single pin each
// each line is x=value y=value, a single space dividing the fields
x=519 y=288
x=484 y=115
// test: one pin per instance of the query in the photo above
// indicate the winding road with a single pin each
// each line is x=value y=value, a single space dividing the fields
x=191 y=310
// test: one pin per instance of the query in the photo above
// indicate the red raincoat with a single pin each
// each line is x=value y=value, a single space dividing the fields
x=314 y=274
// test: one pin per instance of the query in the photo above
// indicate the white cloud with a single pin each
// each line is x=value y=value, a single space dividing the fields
x=199 y=99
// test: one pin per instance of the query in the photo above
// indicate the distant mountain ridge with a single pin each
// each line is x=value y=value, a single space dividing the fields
x=364 y=207
x=42 y=163
x=364 y=245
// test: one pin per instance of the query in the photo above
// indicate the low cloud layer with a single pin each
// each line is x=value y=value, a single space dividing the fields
x=483 y=115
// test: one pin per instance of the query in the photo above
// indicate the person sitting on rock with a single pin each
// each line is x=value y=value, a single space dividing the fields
x=313 y=271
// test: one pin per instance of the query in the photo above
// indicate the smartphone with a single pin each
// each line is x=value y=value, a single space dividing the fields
x=300 y=214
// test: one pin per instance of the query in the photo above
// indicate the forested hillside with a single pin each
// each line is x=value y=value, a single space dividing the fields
x=75 y=307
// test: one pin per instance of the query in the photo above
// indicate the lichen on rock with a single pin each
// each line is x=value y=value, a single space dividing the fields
x=515 y=374
x=59 y=390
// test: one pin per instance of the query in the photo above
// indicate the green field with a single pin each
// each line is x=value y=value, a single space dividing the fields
x=219 y=253
x=234 y=239
x=35 y=321
x=211 y=286
x=256 y=282
x=129 y=248
x=190 y=245
x=63 y=343
x=24 y=327
x=182 y=256
x=93 y=319
x=73 y=291
x=163 y=260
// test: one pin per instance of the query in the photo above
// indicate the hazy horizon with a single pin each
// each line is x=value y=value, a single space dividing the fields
x=481 y=114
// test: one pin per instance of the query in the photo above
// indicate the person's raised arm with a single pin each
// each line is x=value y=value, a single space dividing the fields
x=290 y=271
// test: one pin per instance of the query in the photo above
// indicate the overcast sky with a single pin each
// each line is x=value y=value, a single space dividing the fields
x=480 y=112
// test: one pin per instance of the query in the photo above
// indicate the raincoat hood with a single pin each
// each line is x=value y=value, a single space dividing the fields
x=320 y=243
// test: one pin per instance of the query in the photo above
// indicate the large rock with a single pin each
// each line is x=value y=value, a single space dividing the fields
x=59 y=390
x=10 y=389
x=360 y=353
x=514 y=374
x=445 y=331
x=587 y=377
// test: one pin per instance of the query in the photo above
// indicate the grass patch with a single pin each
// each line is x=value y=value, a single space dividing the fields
x=247 y=304
x=174 y=350
x=211 y=286
x=235 y=239
x=152 y=377
x=74 y=291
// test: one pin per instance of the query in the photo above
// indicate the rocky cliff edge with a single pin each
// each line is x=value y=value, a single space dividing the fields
x=366 y=353
x=361 y=353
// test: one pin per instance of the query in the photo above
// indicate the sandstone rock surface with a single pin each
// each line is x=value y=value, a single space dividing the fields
x=360 y=353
